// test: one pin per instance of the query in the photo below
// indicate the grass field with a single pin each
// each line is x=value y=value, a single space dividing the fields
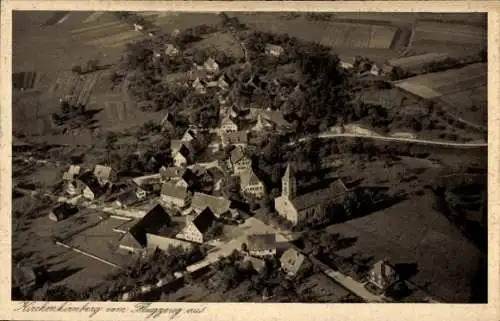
x=450 y=38
x=462 y=90
x=329 y=33
x=412 y=232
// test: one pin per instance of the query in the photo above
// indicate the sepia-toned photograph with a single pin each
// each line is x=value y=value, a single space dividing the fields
x=312 y=157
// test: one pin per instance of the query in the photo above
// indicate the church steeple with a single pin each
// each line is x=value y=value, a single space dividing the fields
x=288 y=183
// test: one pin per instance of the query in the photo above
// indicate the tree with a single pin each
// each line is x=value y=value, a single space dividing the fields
x=111 y=139
x=77 y=69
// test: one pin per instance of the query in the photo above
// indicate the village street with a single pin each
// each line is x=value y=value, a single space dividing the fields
x=250 y=227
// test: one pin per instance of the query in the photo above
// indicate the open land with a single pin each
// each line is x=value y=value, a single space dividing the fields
x=385 y=131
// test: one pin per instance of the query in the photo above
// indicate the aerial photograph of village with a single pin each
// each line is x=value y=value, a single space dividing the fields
x=249 y=157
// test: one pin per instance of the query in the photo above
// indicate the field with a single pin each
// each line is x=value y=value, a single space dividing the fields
x=448 y=38
x=451 y=87
x=329 y=33
x=413 y=233
x=321 y=287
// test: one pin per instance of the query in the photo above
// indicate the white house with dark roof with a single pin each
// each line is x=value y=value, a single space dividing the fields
x=73 y=171
x=274 y=50
x=196 y=230
x=382 y=275
x=292 y=261
x=298 y=208
x=183 y=157
x=228 y=125
x=261 y=245
x=104 y=174
x=250 y=184
x=239 y=161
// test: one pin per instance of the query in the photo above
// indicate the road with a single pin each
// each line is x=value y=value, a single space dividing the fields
x=396 y=139
x=249 y=227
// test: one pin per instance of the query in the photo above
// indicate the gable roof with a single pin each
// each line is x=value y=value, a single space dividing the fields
x=239 y=137
x=154 y=220
x=128 y=197
x=103 y=172
x=204 y=220
x=248 y=177
x=383 y=269
x=172 y=190
x=292 y=259
x=175 y=145
x=257 y=264
x=276 y=117
x=89 y=180
x=129 y=240
x=228 y=120
x=217 y=205
x=272 y=47
x=169 y=173
x=73 y=171
x=331 y=193
x=259 y=242
x=184 y=151
x=189 y=135
x=237 y=154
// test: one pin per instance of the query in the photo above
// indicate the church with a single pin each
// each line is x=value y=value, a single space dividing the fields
x=300 y=208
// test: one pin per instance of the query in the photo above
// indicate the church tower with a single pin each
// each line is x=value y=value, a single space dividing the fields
x=288 y=183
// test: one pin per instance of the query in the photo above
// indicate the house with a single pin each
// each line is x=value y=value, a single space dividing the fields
x=199 y=87
x=347 y=62
x=138 y=27
x=261 y=245
x=239 y=161
x=148 y=180
x=292 y=261
x=183 y=157
x=218 y=205
x=382 y=275
x=299 y=208
x=211 y=65
x=88 y=184
x=376 y=70
x=136 y=238
x=274 y=50
x=62 y=211
x=222 y=83
x=172 y=195
x=276 y=118
x=250 y=184
x=104 y=174
x=235 y=138
x=73 y=171
x=188 y=179
x=197 y=229
x=189 y=136
x=165 y=243
x=256 y=264
x=262 y=124
x=228 y=125
x=171 y=173
x=171 y=50
x=130 y=197
x=168 y=123
x=217 y=176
